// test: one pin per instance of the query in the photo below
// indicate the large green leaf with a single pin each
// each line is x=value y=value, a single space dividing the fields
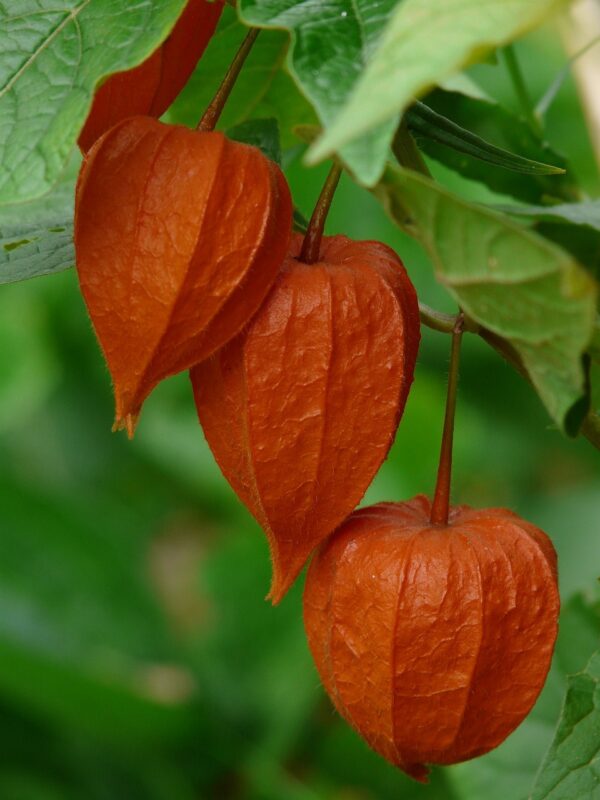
x=424 y=42
x=510 y=280
x=571 y=768
x=36 y=238
x=52 y=57
x=331 y=45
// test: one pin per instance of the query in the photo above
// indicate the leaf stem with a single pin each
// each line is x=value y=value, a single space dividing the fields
x=311 y=246
x=444 y=323
x=521 y=90
x=215 y=107
x=441 y=500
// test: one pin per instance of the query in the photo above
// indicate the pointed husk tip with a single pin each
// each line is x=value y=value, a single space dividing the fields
x=126 y=422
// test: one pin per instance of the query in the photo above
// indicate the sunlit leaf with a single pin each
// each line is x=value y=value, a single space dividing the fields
x=510 y=280
x=423 y=43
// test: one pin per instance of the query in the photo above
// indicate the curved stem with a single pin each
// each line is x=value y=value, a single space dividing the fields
x=444 y=323
x=311 y=246
x=520 y=87
x=216 y=105
x=441 y=499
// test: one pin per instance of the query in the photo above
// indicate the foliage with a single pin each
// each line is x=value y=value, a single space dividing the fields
x=51 y=60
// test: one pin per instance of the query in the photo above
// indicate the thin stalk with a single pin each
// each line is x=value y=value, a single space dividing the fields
x=311 y=246
x=441 y=499
x=521 y=90
x=216 y=105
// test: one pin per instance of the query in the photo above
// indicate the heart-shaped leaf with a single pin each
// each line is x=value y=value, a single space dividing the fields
x=331 y=44
x=424 y=42
x=53 y=56
x=570 y=769
x=510 y=280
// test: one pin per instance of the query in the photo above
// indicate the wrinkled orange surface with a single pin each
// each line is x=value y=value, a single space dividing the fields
x=151 y=87
x=433 y=641
x=301 y=409
x=179 y=236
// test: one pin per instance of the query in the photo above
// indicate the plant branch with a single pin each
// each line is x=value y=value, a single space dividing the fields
x=216 y=105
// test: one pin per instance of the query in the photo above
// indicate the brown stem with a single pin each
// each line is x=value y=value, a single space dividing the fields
x=311 y=246
x=441 y=499
x=216 y=105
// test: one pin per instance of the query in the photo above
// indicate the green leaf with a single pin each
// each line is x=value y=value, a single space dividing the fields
x=424 y=121
x=424 y=42
x=36 y=238
x=284 y=101
x=492 y=122
x=510 y=280
x=261 y=133
x=573 y=226
x=331 y=44
x=52 y=57
x=571 y=767
x=586 y=213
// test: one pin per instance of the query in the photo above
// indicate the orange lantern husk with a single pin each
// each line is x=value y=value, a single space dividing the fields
x=151 y=87
x=179 y=235
x=301 y=409
x=433 y=641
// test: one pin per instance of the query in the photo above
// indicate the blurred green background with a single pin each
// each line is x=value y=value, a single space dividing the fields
x=138 y=658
